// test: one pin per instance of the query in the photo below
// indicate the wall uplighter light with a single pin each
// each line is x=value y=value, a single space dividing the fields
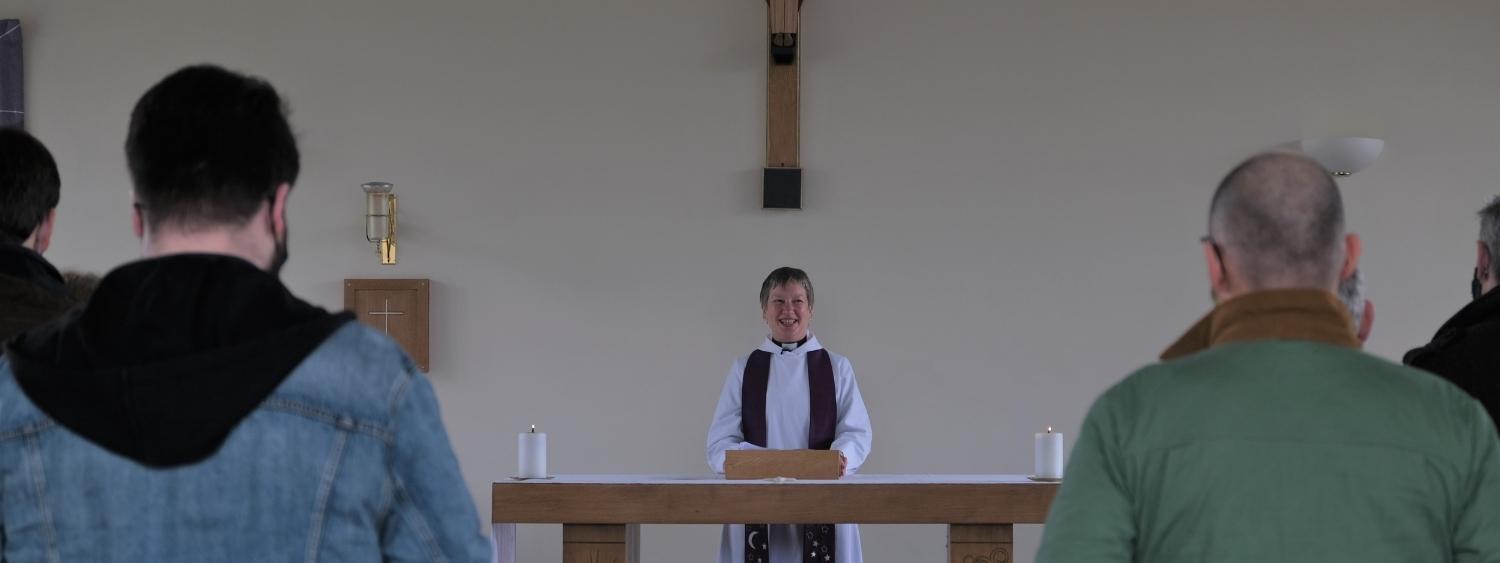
x=1343 y=156
x=380 y=219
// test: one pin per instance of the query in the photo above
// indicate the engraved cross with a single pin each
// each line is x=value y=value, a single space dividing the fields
x=385 y=314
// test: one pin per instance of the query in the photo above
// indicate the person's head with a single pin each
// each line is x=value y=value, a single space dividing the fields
x=1486 y=267
x=786 y=303
x=213 y=159
x=29 y=190
x=1277 y=222
x=1361 y=310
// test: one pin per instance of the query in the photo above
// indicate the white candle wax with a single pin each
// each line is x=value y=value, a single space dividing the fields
x=532 y=454
x=1049 y=454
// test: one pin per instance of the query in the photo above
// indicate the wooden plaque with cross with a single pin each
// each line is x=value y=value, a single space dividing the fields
x=395 y=307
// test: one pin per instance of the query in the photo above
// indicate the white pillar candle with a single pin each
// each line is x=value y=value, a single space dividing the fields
x=1049 y=454
x=531 y=454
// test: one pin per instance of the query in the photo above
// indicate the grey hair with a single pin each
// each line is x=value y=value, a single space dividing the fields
x=1352 y=293
x=1489 y=233
x=783 y=276
x=1282 y=219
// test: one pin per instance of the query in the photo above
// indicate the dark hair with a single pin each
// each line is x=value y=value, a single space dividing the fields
x=783 y=276
x=207 y=146
x=28 y=184
x=1283 y=216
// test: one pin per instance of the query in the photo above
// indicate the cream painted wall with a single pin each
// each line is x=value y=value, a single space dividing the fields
x=1002 y=203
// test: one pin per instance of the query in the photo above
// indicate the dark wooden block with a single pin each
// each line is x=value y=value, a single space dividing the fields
x=782 y=188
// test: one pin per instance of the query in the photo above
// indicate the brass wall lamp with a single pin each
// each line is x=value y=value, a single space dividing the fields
x=380 y=219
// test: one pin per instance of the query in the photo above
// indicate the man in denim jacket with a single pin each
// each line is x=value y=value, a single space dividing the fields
x=194 y=409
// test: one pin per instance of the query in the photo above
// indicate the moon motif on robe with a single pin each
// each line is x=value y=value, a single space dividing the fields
x=750 y=539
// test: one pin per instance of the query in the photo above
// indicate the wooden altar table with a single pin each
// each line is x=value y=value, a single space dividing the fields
x=601 y=514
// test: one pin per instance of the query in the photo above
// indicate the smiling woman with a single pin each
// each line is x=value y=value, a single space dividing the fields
x=786 y=301
x=790 y=394
x=12 y=90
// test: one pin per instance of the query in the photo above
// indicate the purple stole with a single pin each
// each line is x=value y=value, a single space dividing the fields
x=817 y=539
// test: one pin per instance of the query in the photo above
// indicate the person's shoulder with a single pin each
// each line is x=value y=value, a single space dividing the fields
x=1476 y=346
x=1438 y=406
x=356 y=370
x=1364 y=378
x=369 y=349
x=840 y=362
x=1151 y=376
x=1167 y=380
x=1490 y=328
x=737 y=367
x=1380 y=374
x=836 y=358
x=1300 y=355
x=28 y=305
x=16 y=410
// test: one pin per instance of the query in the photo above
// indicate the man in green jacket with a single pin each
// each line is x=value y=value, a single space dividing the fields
x=1265 y=435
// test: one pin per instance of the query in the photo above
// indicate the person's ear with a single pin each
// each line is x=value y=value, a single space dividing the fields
x=137 y=222
x=278 y=210
x=43 y=235
x=1366 y=322
x=1218 y=277
x=1353 y=246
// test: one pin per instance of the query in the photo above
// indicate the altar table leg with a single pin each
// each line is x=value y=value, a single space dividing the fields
x=503 y=543
x=601 y=543
x=980 y=543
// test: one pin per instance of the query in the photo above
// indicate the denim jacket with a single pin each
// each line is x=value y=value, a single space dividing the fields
x=346 y=460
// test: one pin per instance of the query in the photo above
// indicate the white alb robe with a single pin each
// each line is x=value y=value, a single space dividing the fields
x=787 y=413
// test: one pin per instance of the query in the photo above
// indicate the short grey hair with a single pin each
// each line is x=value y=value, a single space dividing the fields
x=1352 y=293
x=1489 y=233
x=1282 y=220
x=783 y=276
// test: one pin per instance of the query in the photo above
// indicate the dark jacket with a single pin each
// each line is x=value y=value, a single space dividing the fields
x=1466 y=351
x=32 y=292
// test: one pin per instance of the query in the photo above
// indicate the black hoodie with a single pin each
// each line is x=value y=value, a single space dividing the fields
x=1466 y=351
x=32 y=292
x=169 y=355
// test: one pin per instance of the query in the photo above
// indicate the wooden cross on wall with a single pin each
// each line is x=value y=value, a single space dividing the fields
x=782 y=178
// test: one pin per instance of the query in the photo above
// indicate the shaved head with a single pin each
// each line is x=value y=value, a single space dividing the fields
x=1279 y=220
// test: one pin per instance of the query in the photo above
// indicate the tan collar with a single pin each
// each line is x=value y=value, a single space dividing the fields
x=1278 y=314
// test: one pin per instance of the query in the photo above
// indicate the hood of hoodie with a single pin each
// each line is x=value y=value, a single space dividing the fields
x=26 y=265
x=31 y=291
x=1480 y=318
x=169 y=355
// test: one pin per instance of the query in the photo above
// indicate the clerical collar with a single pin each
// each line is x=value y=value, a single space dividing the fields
x=789 y=346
